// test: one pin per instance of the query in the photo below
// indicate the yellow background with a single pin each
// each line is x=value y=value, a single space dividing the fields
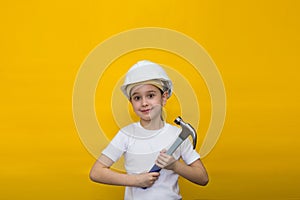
x=255 y=45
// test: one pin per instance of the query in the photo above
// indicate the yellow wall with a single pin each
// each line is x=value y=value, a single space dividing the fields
x=255 y=45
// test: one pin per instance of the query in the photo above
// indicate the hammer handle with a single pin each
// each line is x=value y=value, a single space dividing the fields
x=170 y=151
x=155 y=168
x=174 y=146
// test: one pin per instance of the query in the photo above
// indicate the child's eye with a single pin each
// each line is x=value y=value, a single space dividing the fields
x=151 y=95
x=136 y=98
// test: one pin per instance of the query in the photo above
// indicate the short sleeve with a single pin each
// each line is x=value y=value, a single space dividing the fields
x=188 y=154
x=116 y=147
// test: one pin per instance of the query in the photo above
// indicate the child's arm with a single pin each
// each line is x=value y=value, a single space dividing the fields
x=194 y=172
x=101 y=173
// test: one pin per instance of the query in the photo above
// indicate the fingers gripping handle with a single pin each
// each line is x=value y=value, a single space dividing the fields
x=155 y=168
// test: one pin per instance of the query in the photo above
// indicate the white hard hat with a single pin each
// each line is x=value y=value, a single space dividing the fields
x=145 y=71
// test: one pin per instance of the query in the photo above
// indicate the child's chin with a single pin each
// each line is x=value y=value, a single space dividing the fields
x=146 y=118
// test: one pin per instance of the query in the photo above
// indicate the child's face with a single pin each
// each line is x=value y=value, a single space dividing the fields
x=147 y=101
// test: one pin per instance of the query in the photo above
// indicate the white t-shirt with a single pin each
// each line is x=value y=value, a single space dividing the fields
x=141 y=148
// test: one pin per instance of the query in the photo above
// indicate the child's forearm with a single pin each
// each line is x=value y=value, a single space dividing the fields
x=103 y=174
x=195 y=172
x=108 y=176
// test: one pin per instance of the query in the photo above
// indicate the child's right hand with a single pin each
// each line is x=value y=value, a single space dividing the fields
x=145 y=180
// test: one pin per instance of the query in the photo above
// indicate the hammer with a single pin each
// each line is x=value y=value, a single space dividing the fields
x=187 y=130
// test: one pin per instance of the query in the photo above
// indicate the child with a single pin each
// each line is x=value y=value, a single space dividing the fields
x=144 y=143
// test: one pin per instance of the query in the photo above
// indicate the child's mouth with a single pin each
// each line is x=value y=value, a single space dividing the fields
x=146 y=111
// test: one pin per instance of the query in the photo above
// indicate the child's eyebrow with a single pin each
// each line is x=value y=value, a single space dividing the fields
x=134 y=93
x=149 y=91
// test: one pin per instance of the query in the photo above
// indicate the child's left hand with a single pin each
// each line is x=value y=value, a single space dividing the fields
x=165 y=161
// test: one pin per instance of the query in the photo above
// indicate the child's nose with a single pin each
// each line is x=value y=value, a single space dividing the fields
x=144 y=102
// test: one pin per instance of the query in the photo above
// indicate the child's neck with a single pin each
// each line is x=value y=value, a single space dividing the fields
x=152 y=124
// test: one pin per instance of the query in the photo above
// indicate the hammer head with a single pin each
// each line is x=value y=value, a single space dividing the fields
x=187 y=130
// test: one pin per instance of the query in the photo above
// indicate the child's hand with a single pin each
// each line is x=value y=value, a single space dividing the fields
x=165 y=161
x=146 y=179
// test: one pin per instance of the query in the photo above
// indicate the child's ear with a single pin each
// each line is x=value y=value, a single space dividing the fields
x=164 y=98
